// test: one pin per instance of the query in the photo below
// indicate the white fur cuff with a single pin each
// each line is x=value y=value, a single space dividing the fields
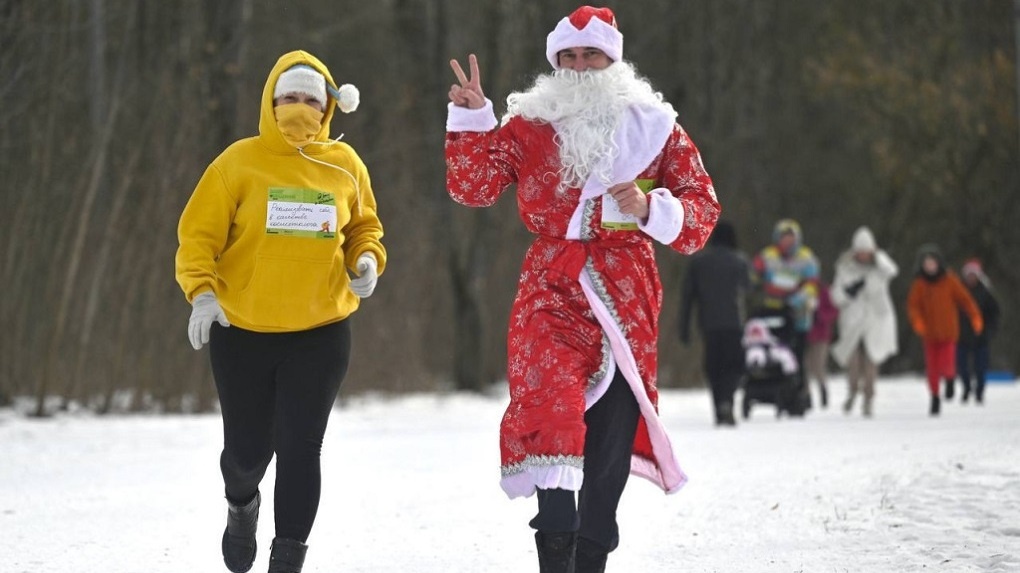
x=665 y=216
x=524 y=484
x=463 y=119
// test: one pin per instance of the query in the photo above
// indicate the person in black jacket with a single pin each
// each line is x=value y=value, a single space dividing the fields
x=972 y=349
x=717 y=281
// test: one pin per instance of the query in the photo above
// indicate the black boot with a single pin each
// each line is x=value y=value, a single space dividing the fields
x=555 y=551
x=591 y=557
x=966 y=390
x=239 y=537
x=935 y=405
x=979 y=392
x=825 y=397
x=724 y=414
x=286 y=556
x=950 y=389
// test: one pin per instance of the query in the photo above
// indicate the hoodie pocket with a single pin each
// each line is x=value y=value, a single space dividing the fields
x=290 y=294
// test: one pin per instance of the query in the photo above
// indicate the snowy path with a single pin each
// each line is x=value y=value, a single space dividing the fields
x=411 y=485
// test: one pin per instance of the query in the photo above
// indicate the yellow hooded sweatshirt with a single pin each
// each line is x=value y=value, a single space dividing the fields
x=272 y=233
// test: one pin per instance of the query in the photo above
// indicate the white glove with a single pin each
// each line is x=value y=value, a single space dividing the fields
x=204 y=310
x=368 y=274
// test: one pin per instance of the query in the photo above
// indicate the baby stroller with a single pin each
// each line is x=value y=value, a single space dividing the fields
x=772 y=374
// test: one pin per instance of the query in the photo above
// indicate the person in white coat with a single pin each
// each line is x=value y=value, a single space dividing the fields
x=867 y=320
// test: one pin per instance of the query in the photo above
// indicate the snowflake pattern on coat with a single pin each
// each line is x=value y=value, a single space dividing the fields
x=557 y=349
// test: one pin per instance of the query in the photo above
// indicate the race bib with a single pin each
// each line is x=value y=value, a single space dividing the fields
x=301 y=213
x=613 y=219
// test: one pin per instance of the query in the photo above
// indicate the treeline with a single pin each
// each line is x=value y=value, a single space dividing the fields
x=900 y=115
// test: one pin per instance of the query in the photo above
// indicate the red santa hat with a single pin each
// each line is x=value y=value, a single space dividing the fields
x=587 y=27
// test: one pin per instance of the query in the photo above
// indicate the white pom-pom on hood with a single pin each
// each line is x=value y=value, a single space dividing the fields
x=347 y=97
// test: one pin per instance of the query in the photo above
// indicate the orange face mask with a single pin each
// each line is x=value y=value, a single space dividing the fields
x=298 y=123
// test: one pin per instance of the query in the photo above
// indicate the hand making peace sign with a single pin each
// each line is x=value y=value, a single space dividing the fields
x=469 y=93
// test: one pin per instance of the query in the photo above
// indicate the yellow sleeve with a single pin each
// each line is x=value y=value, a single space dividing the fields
x=364 y=232
x=202 y=233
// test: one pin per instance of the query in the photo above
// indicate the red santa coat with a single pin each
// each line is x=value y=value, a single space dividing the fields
x=589 y=297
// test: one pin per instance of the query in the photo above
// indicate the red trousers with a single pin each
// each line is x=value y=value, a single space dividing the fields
x=939 y=362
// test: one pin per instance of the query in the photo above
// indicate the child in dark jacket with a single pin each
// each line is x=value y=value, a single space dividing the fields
x=934 y=304
x=972 y=348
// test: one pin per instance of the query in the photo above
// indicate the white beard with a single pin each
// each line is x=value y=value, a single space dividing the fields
x=585 y=108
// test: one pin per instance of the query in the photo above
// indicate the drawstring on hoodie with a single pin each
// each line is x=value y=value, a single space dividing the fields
x=357 y=188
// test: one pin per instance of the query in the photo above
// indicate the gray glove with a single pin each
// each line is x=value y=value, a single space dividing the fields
x=368 y=274
x=204 y=311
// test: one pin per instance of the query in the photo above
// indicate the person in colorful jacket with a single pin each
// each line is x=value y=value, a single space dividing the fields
x=786 y=276
x=934 y=303
x=267 y=240
x=972 y=349
x=602 y=170
x=867 y=318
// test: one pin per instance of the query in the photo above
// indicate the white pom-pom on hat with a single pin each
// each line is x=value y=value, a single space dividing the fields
x=347 y=97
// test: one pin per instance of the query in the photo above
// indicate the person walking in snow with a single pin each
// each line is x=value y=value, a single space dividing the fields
x=717 y=282
x=602 y=169
x=867 y=319
x=266 y=243
x=934 y=304
x=972 y=348
x=785 y=277
x=818 y=339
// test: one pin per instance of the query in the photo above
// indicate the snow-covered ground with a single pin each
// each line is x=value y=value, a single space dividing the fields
x=410 y=484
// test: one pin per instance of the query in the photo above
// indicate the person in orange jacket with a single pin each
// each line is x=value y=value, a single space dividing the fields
x=936 y=298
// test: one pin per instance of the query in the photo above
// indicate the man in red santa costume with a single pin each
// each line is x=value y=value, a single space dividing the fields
x=602 y=169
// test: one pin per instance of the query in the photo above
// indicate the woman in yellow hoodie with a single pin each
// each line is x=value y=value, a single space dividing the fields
x=267 y=242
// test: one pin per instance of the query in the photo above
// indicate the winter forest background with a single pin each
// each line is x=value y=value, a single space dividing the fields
x=897 y=114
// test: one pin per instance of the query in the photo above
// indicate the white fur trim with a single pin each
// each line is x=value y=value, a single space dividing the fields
x=597 y=34
x=644 y=468
x=668 y=474
x=524 y=483
x=596 y=392
x=574 y=226
x=642 y=134
x=303 y=80
x=665 y=216
x=464 y=119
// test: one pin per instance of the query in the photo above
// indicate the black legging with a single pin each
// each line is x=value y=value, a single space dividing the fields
x=608 y=443
x=276 y=392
